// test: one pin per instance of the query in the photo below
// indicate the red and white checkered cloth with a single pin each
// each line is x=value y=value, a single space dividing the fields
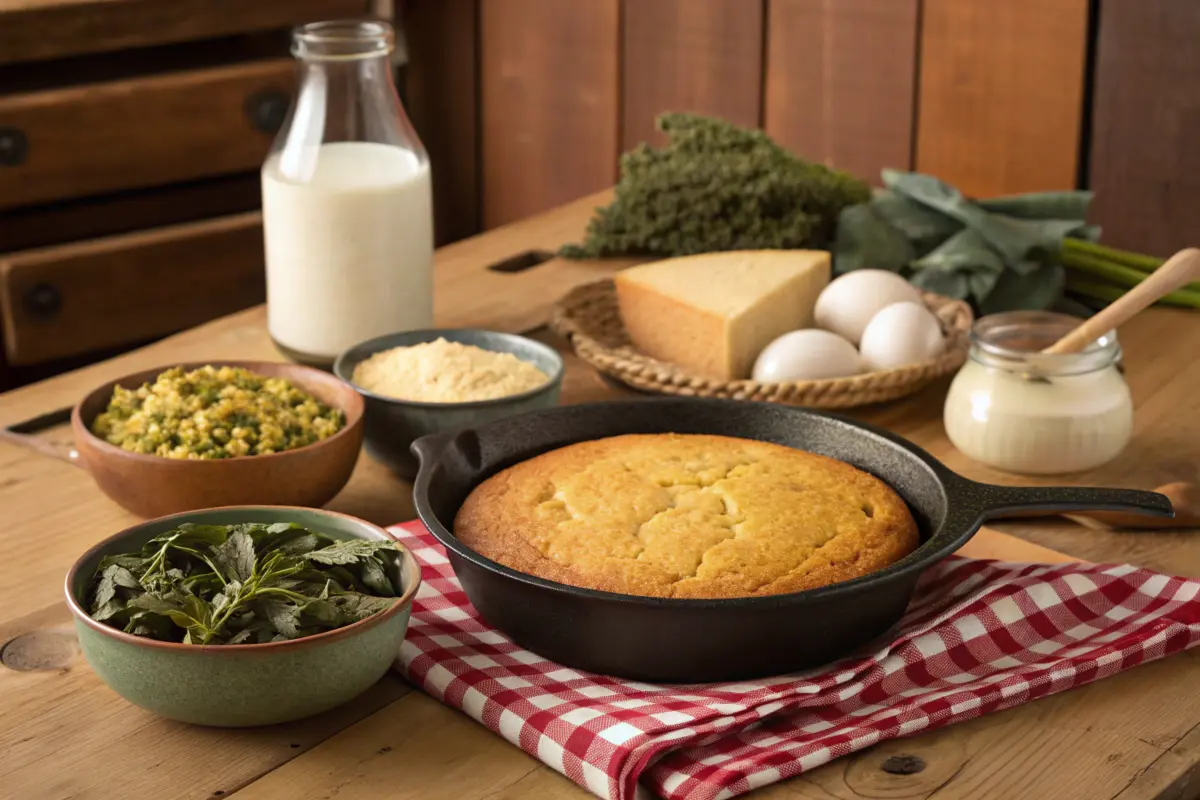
x=979 y=636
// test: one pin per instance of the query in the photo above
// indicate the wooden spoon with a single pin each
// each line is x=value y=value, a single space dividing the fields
x=1178 y=271
x=1184 y=497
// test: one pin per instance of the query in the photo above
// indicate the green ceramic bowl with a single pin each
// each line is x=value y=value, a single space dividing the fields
x=390 y=426
x=246 y=684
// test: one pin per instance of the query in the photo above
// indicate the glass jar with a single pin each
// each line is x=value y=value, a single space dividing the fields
x=347 y=200
x=1014 y=409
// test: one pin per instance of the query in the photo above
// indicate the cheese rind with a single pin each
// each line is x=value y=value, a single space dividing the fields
x=714 y=313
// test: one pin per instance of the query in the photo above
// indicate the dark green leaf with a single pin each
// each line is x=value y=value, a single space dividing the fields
x=130 y=561
x=108 y=610
x=283 y=616
x=151 y=625
x=1041 y=205
x=965 y=251
x=1035 y=291
x=325 y=613
x=301 y=543
x=981 y=284
x=924 y=227
x=950 y=284
x=866 y=240
x=196 y=616
x=349 y=551
x=155 y=604
x=360 y=606
x=236 y=558
x=189 y=533
x=375 y=578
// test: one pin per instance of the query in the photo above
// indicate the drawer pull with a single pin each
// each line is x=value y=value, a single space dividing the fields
x=266 y=109
x=14 y=147
x=42 y=300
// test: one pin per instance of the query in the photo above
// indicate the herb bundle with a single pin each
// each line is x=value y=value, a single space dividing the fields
x=243 y=584
x=715 y=187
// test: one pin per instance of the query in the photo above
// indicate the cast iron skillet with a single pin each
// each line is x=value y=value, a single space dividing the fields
x=685 y=641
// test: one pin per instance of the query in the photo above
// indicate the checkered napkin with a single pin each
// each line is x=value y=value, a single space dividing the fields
x=979 y=636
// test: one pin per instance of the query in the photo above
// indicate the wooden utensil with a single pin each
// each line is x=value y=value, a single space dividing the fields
x=1178 y=271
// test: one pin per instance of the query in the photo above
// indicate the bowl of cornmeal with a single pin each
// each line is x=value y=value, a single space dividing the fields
x=416 y=383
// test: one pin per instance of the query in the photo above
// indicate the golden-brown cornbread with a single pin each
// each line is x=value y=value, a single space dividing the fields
x=671 y=515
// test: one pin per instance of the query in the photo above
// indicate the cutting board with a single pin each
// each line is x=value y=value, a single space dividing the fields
x=989 y=543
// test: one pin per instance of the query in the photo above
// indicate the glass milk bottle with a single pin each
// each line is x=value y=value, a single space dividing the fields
x=347 y=200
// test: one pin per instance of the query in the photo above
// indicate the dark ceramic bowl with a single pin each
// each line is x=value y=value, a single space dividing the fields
x=244 y=684
x=150 y=485
x=684 y=641
x=393 y=425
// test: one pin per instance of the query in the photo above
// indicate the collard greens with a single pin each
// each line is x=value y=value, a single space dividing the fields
x=243 y=584
x=999 y=253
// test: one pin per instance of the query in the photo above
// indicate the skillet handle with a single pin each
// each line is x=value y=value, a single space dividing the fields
x=993 y=502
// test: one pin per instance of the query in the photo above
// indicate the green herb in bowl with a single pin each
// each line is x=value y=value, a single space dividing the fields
x=280 y=646
x=247 y=583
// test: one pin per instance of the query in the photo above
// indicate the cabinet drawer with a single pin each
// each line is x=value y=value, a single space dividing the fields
x=70 y=299
x=140 y=132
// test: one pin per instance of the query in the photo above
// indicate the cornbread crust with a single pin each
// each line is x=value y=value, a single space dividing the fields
x=687 y=516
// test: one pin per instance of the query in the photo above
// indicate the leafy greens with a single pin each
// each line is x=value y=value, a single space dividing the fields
x=1000 y=253
x=243 y=584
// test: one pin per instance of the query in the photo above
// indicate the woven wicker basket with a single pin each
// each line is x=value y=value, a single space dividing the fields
x=589 y=319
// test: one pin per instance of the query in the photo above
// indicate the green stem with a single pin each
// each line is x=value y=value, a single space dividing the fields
x=302 y=598
x=1187 y=297
x=203 y=558
x=1123 y=257
x=1098 y=291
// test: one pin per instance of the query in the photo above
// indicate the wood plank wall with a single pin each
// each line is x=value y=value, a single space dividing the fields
x=840 y=81
x=1145 y=157
x=526 y=104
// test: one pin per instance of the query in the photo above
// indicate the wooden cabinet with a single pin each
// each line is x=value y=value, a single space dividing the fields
x=131 y=134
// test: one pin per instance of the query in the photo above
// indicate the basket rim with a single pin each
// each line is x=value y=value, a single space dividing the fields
x=585 y=317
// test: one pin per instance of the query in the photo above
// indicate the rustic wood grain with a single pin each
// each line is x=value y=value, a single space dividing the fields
x=1001 y=93
x=550 y=106
x=443 y=100
x=72 y=221
x=131 y=287
x=67 y=736
x=138 y=132
x=701 y=56
x=841 y=80
x=1145 y=165
x=40 y=29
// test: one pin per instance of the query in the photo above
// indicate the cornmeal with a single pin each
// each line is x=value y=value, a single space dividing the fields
x=446 y=372
x=689 y=516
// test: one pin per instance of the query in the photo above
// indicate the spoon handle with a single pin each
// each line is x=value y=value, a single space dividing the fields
x=1179 y=270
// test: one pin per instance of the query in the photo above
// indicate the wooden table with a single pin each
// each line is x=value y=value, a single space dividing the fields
x=64 y=735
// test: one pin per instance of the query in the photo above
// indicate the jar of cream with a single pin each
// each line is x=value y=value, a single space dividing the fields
x=1014 y=409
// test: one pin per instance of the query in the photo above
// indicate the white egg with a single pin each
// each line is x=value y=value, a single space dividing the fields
x=899 y=335
x=806 y=355
x=849 y=302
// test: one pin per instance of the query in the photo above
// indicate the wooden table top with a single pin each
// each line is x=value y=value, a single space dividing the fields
x=1135 y=736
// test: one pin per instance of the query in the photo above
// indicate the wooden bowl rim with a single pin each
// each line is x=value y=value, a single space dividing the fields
x=410 y=566
x=352 y=406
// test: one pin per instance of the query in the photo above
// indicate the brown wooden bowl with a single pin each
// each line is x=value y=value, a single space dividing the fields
x=153 y=486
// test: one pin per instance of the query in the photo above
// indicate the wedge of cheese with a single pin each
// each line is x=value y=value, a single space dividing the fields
x=714 y=313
